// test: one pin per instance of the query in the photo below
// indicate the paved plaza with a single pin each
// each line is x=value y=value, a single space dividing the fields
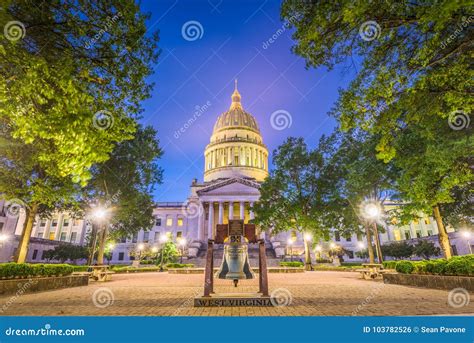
x=162 y=294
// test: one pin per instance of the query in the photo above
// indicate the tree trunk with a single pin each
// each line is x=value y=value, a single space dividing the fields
x=22 y=250
x=307 y=255
x=377 y=244
x=102 y=240
x=93 y=243
x=442 y=235
x=369 y=244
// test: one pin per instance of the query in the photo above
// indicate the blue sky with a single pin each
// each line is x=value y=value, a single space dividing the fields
x=233 y=43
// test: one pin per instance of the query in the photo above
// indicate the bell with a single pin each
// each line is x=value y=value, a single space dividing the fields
x=235 y=263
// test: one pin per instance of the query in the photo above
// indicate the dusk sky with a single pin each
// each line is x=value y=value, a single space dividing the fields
x=199 y=72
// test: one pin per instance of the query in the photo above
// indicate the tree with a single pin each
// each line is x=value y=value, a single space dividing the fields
x=289 y=195
x=398 y=250
x=124 y=185
x=426 y=249
x=414 y=85
x=64 y=252
x=168 y=253
x=67 y=101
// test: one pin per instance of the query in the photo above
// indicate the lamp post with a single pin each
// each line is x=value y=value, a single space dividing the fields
x=467 y=235
x=372 y=212
x=318 y=249
x=307 y=253
x=140 y=247
x=163 y=240
x=182 y=244
x=290 y=243
x=154 y=250
x=361 y=246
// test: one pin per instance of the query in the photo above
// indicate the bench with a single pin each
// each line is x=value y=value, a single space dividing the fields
x=101 y=273
x=371 y=271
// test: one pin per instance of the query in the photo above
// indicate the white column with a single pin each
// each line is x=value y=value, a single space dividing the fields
x=412 y=230
x=221 y=212
x=231 y=210
x=251 y=214
x=242 y=210
x=200 y=230
x=210 y=230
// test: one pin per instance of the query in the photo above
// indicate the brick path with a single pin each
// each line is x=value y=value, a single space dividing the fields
x=313 y=293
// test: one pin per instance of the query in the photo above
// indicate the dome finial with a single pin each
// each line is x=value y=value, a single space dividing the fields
x=235 y=97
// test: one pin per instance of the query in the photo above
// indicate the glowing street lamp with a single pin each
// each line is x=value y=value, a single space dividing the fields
x=318 y=249
x=140 y=248
x=467 y=234
x=99 y=213
x=3 y=237
x=332 y=245
x=361 y=245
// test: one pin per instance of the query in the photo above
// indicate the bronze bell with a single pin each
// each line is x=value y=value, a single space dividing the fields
x=235 y=262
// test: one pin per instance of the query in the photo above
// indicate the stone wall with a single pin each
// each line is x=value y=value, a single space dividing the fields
x=430 y=281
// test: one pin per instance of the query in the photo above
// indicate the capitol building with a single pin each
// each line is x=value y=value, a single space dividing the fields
x=236 y=163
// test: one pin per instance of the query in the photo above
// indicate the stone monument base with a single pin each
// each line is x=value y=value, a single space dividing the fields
x=234 y=300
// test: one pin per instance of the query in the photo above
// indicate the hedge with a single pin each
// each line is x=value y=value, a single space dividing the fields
x=27 y=270
x=457 y=265
x=179 y=265
x=291 y=264
x=351 y=264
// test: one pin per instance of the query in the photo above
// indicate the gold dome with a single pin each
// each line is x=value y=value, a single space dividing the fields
x=236 y=117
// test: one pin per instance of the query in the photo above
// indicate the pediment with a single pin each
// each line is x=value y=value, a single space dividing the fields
x=232 y=187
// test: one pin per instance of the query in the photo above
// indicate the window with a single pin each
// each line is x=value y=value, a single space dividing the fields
x=43 y=223
x=350 y=253
x=146 y=237
x=35 y=254
x=131 y=258
x=42 y=254
x=396 y=235
x=337 y=236
x=430 y=232
x=157 y=237
x=359 y=237
x=75 y=222
x=418 y=233
x=180 y=221
x=121 y=256
x=54 y=223
x=66 y=222
x=135 y=238
x=62 y=237
x=1 y=226
x=51 y=236
x=40 y=234
x=348 y=239
x=427 y=221
x=158 y=222
x=169 y=221
x=73 y=237
x=123 y=240
x=454 y=250
x=407 y=234
x=179 y=234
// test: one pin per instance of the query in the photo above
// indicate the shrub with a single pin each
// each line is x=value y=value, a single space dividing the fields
x=351 y=264
x=405 y=267
x=390 y=264
x=323 y=260
x=420 y=267
x=458 y=267
x=291 y=264
x=25 y=270
x=436 y=266
x=179 y=265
